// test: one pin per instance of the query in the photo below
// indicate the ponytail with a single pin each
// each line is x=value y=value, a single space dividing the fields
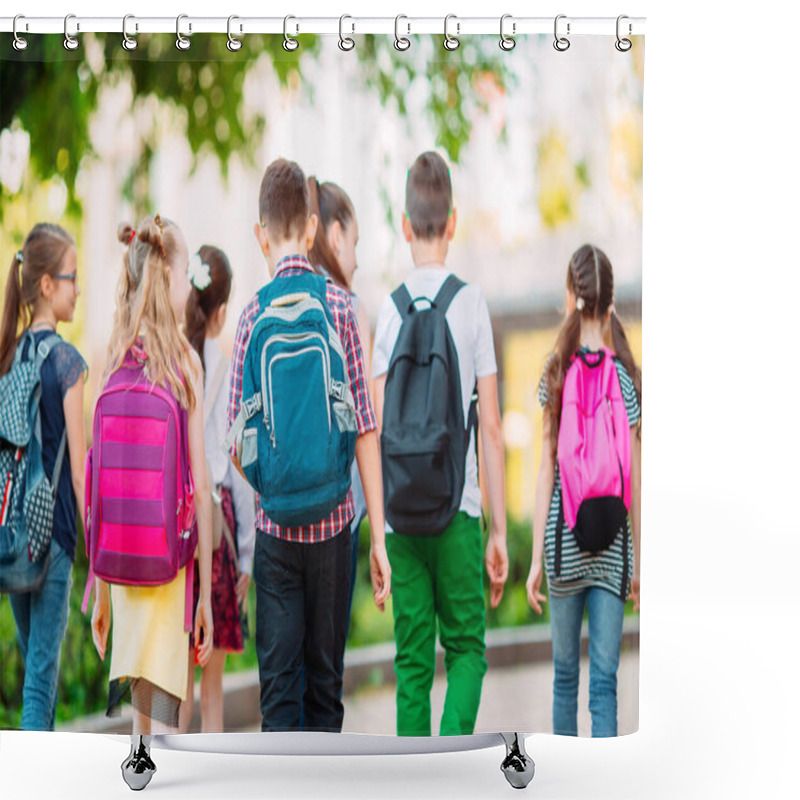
x=569 y=338
x=203 y=303
x=624 y=354
x=195 y=323
x=12 y=311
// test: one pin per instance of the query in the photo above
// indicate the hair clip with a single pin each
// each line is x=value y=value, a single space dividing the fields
x=18 y=255
x=160 y=246
x=133 y=235
x=580 y=303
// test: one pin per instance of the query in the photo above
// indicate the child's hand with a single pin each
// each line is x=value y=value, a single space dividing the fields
x=101 y=617
x=381 y=574
x=497 y=567
x=204 y=622
x=242 y=585
x=534 y=582
x=635 y=587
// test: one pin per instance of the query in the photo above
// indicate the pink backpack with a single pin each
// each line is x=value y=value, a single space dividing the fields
x=140 y=514
x=594 y=454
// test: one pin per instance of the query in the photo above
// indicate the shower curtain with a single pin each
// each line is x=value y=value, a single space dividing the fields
x=541 y=147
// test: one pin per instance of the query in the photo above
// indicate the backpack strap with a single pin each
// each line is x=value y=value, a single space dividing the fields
x=402 y=299
x=559 y=534
x=62 y=447
x=450 y=288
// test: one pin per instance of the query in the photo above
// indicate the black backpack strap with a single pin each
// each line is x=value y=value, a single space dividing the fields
x=623 y=590
x=450 y=288
x=559 y=535
x=402 y=299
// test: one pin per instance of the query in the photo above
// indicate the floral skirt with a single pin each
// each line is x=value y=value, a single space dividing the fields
x=227 y=620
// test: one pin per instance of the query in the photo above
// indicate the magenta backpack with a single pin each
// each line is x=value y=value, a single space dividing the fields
x=594 y=454
x=140 y=514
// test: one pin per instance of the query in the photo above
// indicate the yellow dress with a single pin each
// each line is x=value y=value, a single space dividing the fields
x=147 y=636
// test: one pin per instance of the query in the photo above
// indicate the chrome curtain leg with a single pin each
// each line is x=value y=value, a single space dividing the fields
x=138 y=768
x=518 y=766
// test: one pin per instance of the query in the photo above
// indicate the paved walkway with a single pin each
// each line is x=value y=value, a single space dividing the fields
x=514 y=698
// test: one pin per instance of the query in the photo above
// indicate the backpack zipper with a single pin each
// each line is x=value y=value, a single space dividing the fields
x=282 y=356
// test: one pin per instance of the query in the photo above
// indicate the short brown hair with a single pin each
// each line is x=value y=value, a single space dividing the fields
x=429 y=196
x=283 y=199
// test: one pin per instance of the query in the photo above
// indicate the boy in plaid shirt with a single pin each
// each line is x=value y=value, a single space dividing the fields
x=302 y=575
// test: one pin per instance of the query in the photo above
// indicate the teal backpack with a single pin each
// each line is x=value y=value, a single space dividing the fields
x=28 y=497
x=296 y=430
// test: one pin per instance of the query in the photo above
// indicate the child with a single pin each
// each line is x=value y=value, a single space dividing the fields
x=578 y=579
x=232 y=562
x=149 y=642
x=334 y=255
x=41 y=292
x=302 y=573
x=440 y=577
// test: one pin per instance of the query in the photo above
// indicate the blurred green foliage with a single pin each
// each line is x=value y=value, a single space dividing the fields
x=52 y=93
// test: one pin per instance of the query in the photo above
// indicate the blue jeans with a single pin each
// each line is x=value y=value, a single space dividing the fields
x=41 y=619
x=301 y=615
x=605 y=638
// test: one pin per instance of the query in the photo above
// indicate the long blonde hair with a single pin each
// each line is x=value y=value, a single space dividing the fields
x=143 y=302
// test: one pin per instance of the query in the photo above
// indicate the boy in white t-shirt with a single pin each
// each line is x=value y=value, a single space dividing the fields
x=440 y=577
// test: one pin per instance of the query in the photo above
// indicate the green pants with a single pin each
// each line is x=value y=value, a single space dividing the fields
x=439 y=578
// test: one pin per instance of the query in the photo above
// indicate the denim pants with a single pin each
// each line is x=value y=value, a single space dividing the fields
x=41 y=620
x=605 y=612
x=301 y=617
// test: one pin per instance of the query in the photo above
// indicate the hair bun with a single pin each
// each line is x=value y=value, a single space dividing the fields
x=124 y=232
x=149 y=233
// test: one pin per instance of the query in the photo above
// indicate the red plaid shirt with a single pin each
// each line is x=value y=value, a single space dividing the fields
x=344 y=321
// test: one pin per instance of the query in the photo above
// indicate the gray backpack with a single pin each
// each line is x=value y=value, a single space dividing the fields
x=28 y=497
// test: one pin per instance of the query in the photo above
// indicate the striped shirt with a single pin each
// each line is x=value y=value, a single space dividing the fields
x=346 y=326
x=580 y=570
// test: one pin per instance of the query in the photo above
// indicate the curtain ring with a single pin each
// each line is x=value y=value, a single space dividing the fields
x=19 y=43
x=234 y=44
x=401 y=42
x=289 y=44
x=623 y=45
x=128 y=42
x=506 y=42
x=345 y=42
x=70 y=42
x=182 y=43
x=561 y=43
x=450 y=42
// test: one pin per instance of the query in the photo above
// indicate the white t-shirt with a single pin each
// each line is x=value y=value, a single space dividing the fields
x=471 y=329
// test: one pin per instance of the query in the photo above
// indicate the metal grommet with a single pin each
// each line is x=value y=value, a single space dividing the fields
x=561 y=43
x=401 y=42
x=182 y=43
x=345 y=42
x=506 y=42
x=19 y=43
x=623 y=45
x=450 y=42
x=70 y=42
x=234 y=44
x=128 y=42
x=289 y=44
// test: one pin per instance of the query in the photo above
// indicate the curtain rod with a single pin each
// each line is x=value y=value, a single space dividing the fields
x=187 y=25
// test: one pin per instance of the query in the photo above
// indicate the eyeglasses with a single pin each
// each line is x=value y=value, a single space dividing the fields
x=67 y=276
